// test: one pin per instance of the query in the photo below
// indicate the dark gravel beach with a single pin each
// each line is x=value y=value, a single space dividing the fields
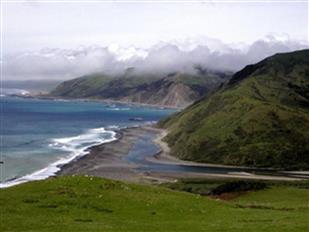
x=109 y=160
x=106 y=160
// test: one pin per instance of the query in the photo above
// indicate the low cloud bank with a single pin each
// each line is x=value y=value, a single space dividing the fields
x=162 y=58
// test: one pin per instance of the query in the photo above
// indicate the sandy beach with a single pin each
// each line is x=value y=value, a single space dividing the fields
x=107 y=160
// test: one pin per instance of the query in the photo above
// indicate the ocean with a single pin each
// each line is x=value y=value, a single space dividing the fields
x=38 y=136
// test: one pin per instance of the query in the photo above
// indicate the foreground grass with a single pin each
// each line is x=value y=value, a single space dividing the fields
x=95 y=204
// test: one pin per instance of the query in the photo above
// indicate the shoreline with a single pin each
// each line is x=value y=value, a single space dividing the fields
x=107 y=160
x=106 y=101
x=54 y=167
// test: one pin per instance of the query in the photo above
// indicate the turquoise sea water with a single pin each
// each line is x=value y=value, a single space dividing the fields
x=40 y=135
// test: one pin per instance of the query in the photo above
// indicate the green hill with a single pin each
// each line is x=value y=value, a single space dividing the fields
x=95 y=204
x=260 y=118
x=175 y=89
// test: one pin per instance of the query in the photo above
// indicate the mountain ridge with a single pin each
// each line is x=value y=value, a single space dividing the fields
x=172 y=90
x=259 y=118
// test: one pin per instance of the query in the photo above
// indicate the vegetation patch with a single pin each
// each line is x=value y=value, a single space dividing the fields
x=104 y=210
x=49 y=206
x=228 y=189
x=237 y=186
x=253 y=206
x=30 y=201
x=83 y=220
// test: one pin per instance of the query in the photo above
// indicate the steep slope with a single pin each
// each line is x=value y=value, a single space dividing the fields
x=176 y=89
x=260 y=118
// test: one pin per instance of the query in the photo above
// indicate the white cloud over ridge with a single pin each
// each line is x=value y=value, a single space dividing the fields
x=162 y=58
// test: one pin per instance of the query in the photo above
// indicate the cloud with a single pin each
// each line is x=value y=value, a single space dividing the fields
x=59 y=63
x=160 y=59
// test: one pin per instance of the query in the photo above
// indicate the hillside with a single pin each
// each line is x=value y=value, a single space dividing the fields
x=173 y=90
x=260 y=118
x=95 y=204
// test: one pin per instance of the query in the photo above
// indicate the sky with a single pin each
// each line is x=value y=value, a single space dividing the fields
x=45 y=40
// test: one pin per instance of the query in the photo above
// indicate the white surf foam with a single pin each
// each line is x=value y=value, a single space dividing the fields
x=118 y=109
x=77 y=146
x=5 y=92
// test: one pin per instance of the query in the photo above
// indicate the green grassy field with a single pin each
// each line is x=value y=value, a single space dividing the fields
x=95 y=204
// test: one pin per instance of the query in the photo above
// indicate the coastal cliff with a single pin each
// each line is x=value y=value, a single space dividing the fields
x=173 y=90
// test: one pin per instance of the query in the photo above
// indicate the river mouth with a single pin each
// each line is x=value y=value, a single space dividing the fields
x=144 y=150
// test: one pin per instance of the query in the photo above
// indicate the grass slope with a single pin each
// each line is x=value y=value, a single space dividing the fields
x=95 y=204
x=261 y=118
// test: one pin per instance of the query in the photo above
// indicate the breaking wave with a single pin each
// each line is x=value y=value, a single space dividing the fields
x=76 y=146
